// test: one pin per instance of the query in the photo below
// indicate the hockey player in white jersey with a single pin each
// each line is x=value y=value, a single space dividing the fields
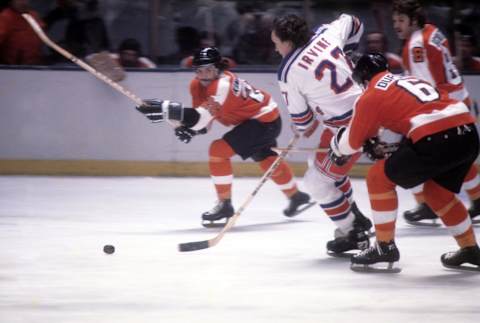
x=315 y=81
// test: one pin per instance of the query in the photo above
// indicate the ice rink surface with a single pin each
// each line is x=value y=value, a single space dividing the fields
x=268 y=268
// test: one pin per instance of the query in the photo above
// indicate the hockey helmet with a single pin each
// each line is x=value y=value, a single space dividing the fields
x=368 y=65
x=207 y=56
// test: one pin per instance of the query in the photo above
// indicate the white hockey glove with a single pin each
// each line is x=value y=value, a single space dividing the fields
x=334 y=152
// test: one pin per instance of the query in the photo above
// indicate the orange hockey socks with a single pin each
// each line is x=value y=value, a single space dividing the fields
x=452 y=212
x=282 y=176
x=384 y=202
x=221 y=168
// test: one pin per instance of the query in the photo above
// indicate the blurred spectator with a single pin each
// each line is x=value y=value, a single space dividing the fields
x=188 y=42
x=377 y=42
x=465 y=59
x=19 y=45
x=130 y=55
x=85 y=32
x=251 y=35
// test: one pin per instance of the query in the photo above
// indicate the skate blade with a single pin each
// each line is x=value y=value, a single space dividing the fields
x=359 y=268
x=210 y=224
x=433 y=224
x=301 y=210
x=476 y=221
x=464 y=268
x=345 y=255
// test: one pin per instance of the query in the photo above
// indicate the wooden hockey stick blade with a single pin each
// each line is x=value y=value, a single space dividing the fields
x=198 y=245
x=105 y=64
x=38 y=30
x=193 y=246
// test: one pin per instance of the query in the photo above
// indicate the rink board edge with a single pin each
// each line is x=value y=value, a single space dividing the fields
x=137 y=168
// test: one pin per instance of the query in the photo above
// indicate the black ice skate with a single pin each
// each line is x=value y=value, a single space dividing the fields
x=361 y=221
x=299 y=202
x=223 y=210
x=380 y=252
x=421 y=216
x=474 y=211
x=356 y=239
x=467 y=258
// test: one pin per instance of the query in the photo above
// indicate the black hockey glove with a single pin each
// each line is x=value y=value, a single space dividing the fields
x=334 y=153
x=376 y=149
x=158 y=111
x=185 y=134
x=152 y=109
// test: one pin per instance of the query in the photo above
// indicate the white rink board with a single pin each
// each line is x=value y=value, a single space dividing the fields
x=70 y=115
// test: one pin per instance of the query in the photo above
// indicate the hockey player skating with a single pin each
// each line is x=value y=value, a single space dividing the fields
x=220 y=95
x=315 y=81
x=426 y=55
x=440 y=144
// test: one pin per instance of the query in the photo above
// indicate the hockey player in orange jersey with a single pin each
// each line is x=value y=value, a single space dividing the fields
x=426 y=55
x=220 y=95
x=439 y=146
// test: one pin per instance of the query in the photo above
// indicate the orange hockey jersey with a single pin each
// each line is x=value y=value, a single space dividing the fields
x=232 y=100
x=426 y=55
x=404 y=105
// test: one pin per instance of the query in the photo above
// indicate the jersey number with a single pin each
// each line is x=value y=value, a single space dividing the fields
x=329 y=65
x=423 y=91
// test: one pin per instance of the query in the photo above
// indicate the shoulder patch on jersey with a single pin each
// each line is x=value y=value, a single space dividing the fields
x=437 y=38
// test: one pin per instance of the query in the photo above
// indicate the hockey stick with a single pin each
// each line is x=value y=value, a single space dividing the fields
x=38 y=30
x=300 y=150
x=198 y=245
x=388 y=148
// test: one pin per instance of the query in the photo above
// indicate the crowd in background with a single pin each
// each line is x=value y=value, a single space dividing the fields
x=148 y=33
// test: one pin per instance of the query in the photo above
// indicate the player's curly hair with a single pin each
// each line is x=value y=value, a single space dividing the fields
x=292 y=28
x=412 y=9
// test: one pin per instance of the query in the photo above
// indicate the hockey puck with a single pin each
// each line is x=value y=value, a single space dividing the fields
x=109 y=249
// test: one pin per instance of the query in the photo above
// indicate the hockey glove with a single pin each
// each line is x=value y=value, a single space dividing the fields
x=152 y=109
x=158 y=111
x=185 y=134
x=334 y=153
x=376 y=149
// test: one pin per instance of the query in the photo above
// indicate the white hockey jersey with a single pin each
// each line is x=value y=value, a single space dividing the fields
x=315 y=80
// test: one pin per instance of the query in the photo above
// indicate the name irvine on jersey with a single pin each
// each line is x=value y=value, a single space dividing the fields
x=309 y=56
x=385 y=82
